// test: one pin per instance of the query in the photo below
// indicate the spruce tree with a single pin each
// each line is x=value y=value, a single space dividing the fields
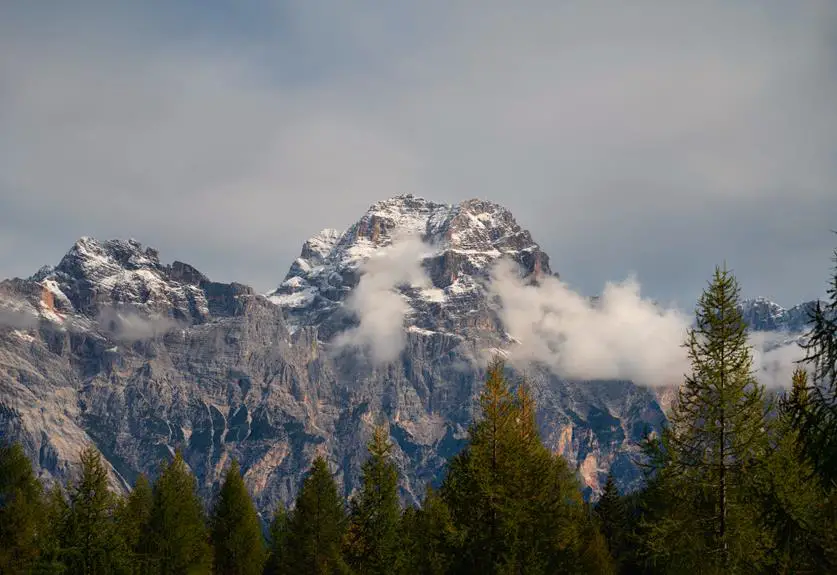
x=373 y=545
x=92 y=542
x=134 y=517
x=236 y=533
x=611 y=515
x=177 y=539
x=317 y=526
x=21 y=511
x=717 y=436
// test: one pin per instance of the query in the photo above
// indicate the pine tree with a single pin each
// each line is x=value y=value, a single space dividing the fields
x=21 y=511
x=92 y=542
x=317 y=526
x=717 y=436
x=373 y=545
x=236 y=533
x=134 y=517
x=611 y=515
x=177 y=539
x=818 y=422
x=278 y=542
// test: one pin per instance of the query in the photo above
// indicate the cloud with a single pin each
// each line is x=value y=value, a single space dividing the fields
x=618 y=133
x=130 y=325
x=619 y=336
x=17 y=319
x=377 y=303
x=775 y=357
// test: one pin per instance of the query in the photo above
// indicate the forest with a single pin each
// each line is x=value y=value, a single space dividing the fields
x=739 y=481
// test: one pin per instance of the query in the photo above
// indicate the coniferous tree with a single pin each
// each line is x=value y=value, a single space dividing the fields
x=372 y=543
x=134 y=516
x=428 y=536
x=21 y=511
x=177 y=539
x=717 y=436
x=278 y=542
x=92 y=542
x=817 y=423
x=236 y=532
x=792 y=504
x=516 y=506
x=317 y=526
x=56 y=513
x=610 y=512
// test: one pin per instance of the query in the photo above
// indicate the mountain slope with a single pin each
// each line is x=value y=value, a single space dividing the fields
x=142 y=358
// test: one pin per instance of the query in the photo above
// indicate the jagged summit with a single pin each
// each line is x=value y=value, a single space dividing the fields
x=462 y=241
x=762 y=314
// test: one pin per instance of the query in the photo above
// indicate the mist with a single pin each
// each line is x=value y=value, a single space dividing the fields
x=17 y=319
x=130 y=325
x=376 y=303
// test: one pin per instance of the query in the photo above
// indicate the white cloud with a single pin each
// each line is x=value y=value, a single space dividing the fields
x=775 y=357
x=377 y=303
x=617 y=133
x=621 y=336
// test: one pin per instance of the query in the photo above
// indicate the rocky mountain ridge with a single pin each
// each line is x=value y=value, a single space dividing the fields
x=112 y=347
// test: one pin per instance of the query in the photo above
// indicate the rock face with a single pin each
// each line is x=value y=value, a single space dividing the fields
x=142 y=359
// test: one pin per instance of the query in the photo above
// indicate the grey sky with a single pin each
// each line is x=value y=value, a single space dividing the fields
x=651 y=137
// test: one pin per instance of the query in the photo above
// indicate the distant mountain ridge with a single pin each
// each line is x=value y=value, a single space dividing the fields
x=113 y=347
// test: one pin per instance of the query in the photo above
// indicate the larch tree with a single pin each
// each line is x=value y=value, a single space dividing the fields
x=717 y=436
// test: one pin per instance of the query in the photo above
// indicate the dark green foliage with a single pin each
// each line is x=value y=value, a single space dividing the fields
x=134 y=516
x=516 y=506
x=278 y=542
x=611 y=515
x=21 y=511
x=793 y=506
x=236 y=533
x=372 y=544
x=317 y=526
x=177 y=540
x=90 y=539
x=428 y=536
x=817 y=423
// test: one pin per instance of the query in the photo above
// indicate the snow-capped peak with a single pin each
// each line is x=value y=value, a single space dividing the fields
x=462 y=242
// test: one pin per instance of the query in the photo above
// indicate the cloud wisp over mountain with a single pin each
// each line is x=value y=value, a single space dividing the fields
x=619 y=335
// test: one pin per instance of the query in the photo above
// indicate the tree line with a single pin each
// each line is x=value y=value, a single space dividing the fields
x=736 y=482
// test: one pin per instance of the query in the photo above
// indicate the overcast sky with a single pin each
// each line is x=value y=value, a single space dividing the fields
x=651 y=137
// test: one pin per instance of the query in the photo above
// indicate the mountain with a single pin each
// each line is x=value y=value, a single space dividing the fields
x=142 y=358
